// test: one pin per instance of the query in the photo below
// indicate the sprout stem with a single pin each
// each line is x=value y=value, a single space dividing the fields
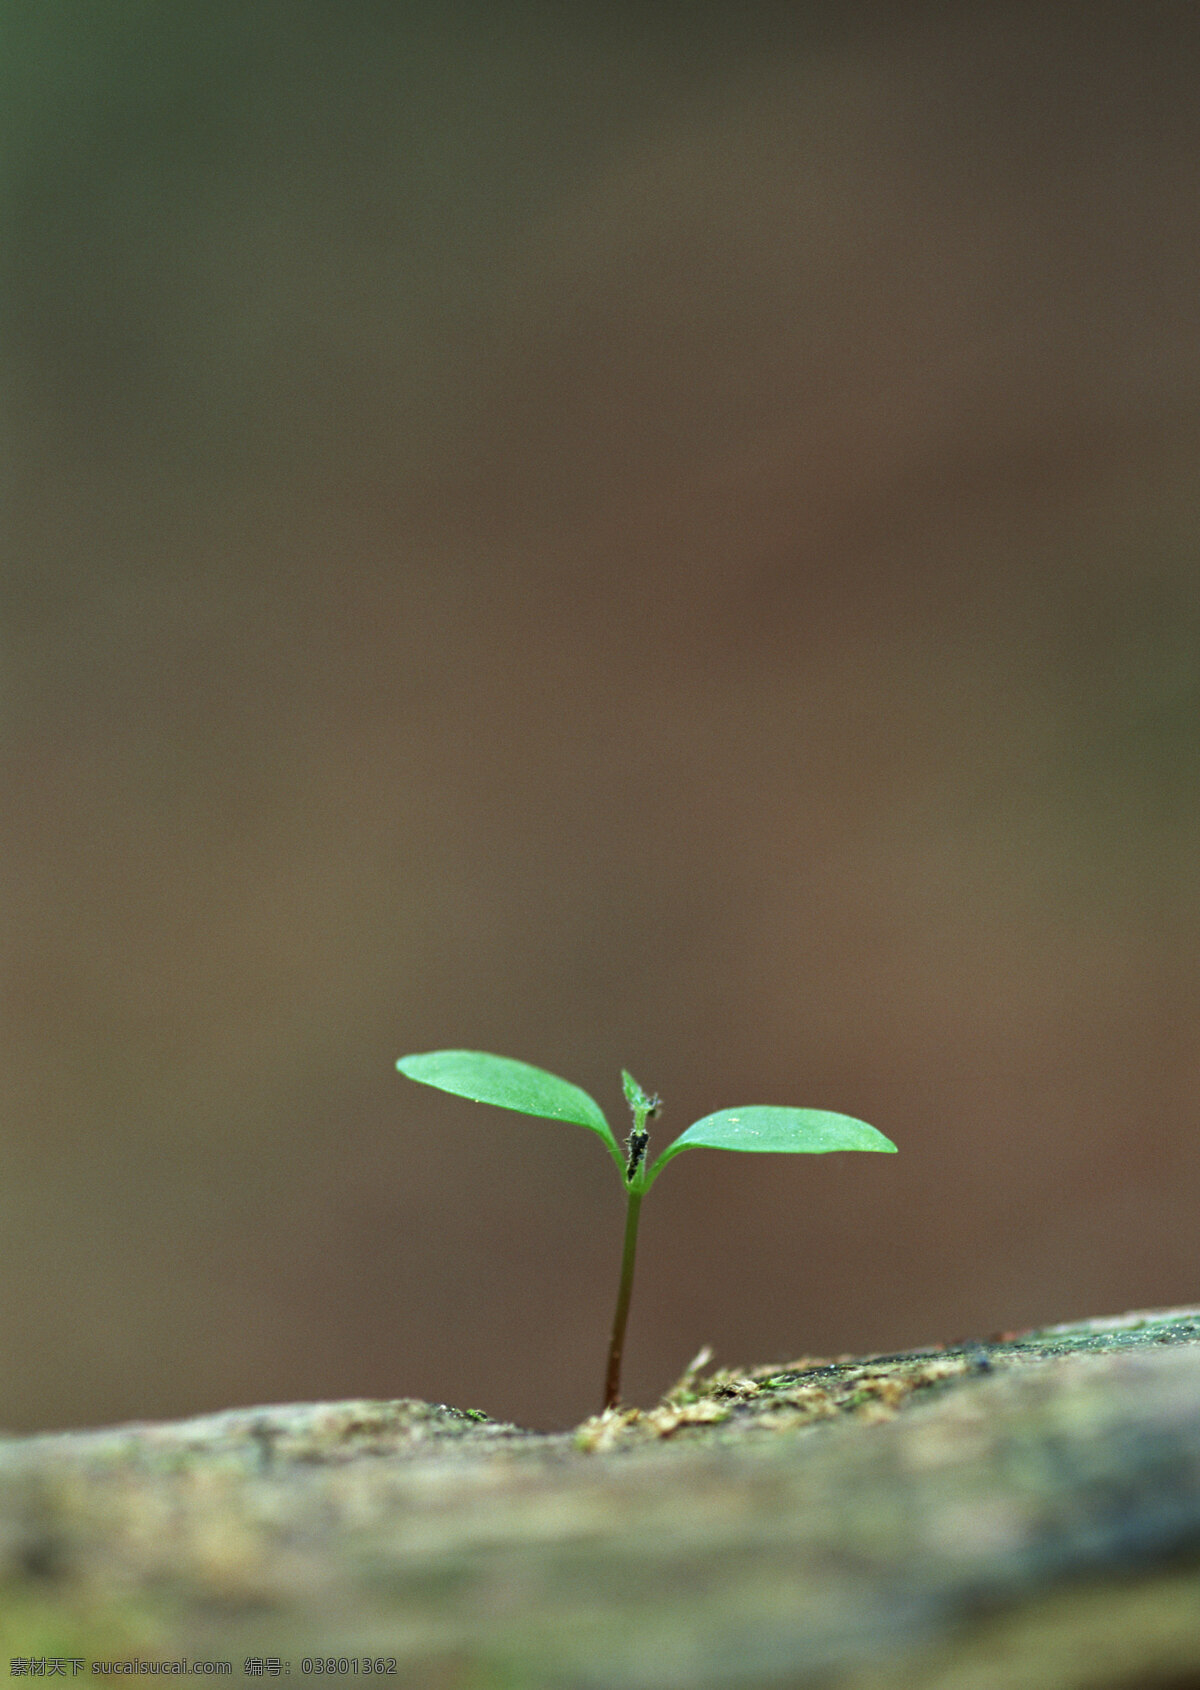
x=612 y=1382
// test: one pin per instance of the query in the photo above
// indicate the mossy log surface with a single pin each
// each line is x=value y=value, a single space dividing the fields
x=1018 y=1512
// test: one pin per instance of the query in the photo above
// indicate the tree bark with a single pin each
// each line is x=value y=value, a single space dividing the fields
x=1020 y=1513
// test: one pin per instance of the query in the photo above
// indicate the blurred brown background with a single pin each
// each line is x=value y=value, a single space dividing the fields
x=654 y=536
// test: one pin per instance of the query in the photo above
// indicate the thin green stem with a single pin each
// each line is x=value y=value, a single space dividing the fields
x=612 y=1382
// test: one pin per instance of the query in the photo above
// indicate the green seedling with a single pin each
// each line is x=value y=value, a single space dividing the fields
x=532 y=1091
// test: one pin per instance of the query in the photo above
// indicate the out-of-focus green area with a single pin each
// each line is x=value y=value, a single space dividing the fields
x=657 y=543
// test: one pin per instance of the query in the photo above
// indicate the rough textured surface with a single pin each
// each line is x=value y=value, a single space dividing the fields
x=1021 y=1511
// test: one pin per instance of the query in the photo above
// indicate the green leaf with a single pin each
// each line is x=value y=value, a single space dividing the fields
x=764 y=1127
x=635 y=1097
x=509 y=1085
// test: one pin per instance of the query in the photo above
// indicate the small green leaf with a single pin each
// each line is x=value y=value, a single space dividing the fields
x=509 y=1085
x=635 y=1097
x=764 y=1127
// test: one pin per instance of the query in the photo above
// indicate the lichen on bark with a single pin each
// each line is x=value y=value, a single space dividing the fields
x=1019 y=1510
